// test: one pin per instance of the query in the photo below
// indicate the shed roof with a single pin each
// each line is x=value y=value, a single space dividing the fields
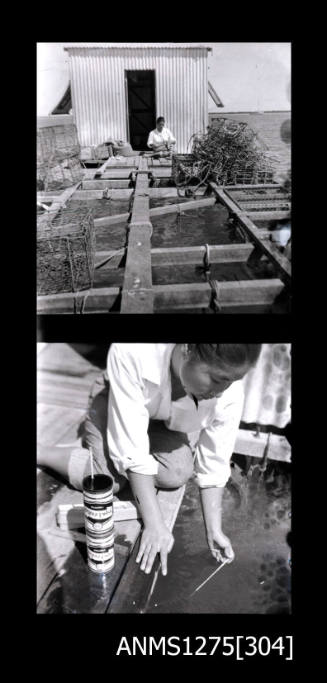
x=188 y=46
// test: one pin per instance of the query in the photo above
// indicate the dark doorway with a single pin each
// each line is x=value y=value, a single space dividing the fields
x=141 y=106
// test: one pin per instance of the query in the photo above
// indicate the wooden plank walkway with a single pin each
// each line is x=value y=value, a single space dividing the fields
x=131 y=290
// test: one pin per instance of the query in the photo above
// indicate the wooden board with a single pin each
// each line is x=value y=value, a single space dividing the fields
x=55 y=424
x=154 y=192
x=157 y=211
x=197 y=295
x=119 y=173
x=98 y=194
x=248 y=197
x=264 y=205
x=260 y=186
x=135 y=588
x=249 y=443
x=62 y=390
x=93 y=301
x=120 y=184
x=281 y=263
x=137 y=295
x=63 y=358
x=184 y=206
x=48 y=196
x=268 y=215
x=221 y=253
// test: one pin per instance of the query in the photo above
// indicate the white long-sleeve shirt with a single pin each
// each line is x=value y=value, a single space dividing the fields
x=156 y=138
x=140 y=389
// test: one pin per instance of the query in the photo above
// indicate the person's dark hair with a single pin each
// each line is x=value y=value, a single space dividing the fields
x=159 y=119
x=232 y=354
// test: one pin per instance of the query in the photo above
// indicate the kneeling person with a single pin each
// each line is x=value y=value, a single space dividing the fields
x=160 y=413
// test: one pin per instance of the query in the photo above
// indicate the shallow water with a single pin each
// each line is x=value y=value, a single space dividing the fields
x=256 y=518
x=196 y=227
x=101 y=207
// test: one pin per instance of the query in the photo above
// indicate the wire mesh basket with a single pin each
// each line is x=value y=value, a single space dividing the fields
x=59 y=175
x=65 y=251
x=58 y=164
x=95 y=153
x=60 y=142
x=230 y=153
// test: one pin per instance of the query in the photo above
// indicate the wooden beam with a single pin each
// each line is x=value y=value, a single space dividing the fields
x=249 y=205
x=249 y=443
x=105 y=221
x=101 y=169
x=142 y=183
x=137 y=294
x=140 y=210
x=71 y=516
x=242 y=197
x=281 y=262
x=95 y=301
x=143 y=165
x=268 y=215
x=197 y=295
x=231 y=294
x=260 y=186
x=183 y=206
x=222 y=253
x=102 y=184
x=110 y=173
x=98 y=194
x=125 y=173
x=47 y=196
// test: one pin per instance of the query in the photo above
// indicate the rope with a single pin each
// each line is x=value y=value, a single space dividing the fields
x=215 y=303
x=79 y=308
x=206 y=262
x=114 y=253
x=70 y=263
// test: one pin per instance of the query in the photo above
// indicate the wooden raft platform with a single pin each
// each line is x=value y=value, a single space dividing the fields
x=129 y=289
x=64 y=583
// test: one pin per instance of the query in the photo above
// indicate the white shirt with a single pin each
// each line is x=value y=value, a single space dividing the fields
x=156 y=138
x=140 y=389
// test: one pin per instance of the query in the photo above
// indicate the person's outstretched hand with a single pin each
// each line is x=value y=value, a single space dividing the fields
x=156 y=539
x=224 y=550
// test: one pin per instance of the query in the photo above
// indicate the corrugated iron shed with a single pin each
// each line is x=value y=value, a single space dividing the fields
x=100 y=93
x=68 y=46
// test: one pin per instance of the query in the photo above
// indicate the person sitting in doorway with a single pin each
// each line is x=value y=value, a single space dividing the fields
x=161 y=139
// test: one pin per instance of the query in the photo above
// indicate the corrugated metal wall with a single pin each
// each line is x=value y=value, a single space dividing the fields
x=99 y=98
